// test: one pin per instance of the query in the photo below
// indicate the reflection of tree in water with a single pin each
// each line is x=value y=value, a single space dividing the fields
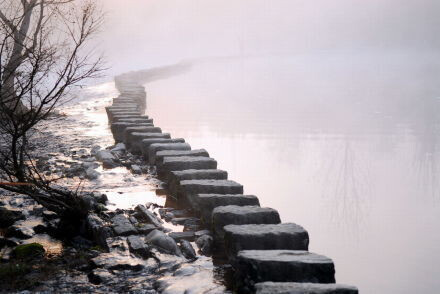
x=427 y=130
x=346 y=186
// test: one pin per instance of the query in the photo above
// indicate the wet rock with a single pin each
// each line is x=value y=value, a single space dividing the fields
x=122 y=226
x=205 y=244
x=120 y=147
x=179 y=236
x=115 y=261
x=99 y=275
x=163 y=242
x=254 y=266
x=303 y=288
x=49 y=215
x=95 y=150
x=92 y=174
x=180 y=221
x=187 y=250
x=100 y=198
x=174 y=177
x=8 y=217
x=201 y=233
x=192 y=224
x=117 y=244
x=41 y=229
x=263 y=237
x=146 y=228
x=107 y=158
x=20 y=232
x=137 y=246
x=143 y=214
x=119 y=128
x=160 y=155
x=204 y=204
x=241 y=215
x=81 y=243
x=5 y=242
x=136 y=169
x=89 y=164
x=97 y=230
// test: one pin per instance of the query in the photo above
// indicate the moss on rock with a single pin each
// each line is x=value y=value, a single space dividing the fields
x=27 y=251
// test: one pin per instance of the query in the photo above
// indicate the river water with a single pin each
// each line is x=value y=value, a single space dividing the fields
x=326 y=110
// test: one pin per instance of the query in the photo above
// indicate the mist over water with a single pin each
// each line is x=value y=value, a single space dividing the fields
x=328 y=111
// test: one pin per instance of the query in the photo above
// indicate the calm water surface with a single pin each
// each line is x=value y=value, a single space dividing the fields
x=349 y=152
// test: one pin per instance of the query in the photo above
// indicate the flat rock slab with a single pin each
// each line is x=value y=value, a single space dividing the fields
x=144 y=143
x=136 y=120
x=154 y=148
x=204 y=204
x=179 y=236
x=143 y=214
x=119 y=128
x=265 y=237
x=193 y=187
x=114 y=113
x=117 y=118
x=122 y=226
x=160 y=155
x=174 y=177
x=180 y=163
x=254 y=266
x=241 y=215
x=136 y=139
x=303 y=288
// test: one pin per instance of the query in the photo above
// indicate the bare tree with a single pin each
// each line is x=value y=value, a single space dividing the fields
x=43 y=55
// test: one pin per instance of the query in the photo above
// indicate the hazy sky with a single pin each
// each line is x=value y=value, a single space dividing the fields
x=143 y=33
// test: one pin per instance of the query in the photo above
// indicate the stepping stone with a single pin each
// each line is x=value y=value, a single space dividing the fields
x=128 y=131
x=170 y=164
x=144 y=143
x=117 y=118
x=254 y=266
x=176 y=153
x=174 y=177
x=241 y=215
x=137 y=138
x=303 y=288
x=119 y=113
x=136 y=120
x=119 y=128
x=287 y=236
x=204 y=204
x=155 y=147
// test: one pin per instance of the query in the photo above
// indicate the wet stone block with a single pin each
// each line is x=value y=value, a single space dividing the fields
x=119 y=113
x=122 y=226
x=117 y=118
x=241 y=215
x=204 y=204
x=119 y=128
x=128 y=138
x=174 y=177
x=254 y=266
x=136 y=120
x=176 y=153
x=154 y=148
x=186 y=163
x=137 y=138
x=144 y=143
x=287 y=236
x=303 y=288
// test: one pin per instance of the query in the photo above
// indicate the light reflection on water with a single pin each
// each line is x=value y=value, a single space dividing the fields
x=349 y=153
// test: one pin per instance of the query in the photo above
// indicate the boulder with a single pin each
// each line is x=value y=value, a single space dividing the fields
x=155 y=147
x=241 y=215
x=138 y=246
x=254 y=266
x=303 y=288
x=163 y=242
x=8 y=217
x=158 y=160
x=92 y=174
x=205 y=244
x=122 y=226
x=264 y=237
x=204 y=204
x=145 y=215
x=187 y=250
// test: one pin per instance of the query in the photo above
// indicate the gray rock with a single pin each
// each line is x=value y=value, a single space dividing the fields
x=119 y=128
x=254 y=266
x=116 y=261
x=49 y=215
x=179 y=236
x=99 y=276
x=187 y=250
x=129 y=139
x=102 y=155
x=205 y=244
x=143 y=214
x=122 y=226
x=263 y=237
x=158 y=159
x=118 y=118
x=163 y=243
x=136 y=169
x=20 y=232
x=138 y=246
x=204 y=204
x=201 y=233
x=92 y=174
x=241 y=215
x=146 y=228
x=8 y=217
x=95 y=150
x=120 y=147
x=137 y=140
x=97 y=230
x=303 y=288
x=156 y=147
